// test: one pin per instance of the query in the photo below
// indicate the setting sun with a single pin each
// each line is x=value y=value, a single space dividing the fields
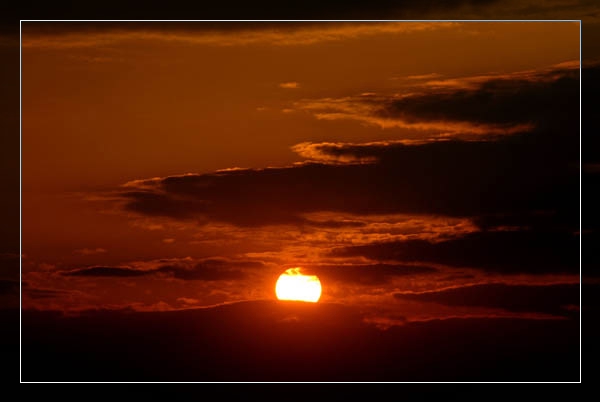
x=293 y=285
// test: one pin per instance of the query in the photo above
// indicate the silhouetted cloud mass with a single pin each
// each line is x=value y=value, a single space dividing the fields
x=515 y=174
x=206 y=271
x=520 y=189
x=368 y=274
x=106 y=271
x=553 y=299
x=185 y=269
x=487 y=106
x=498 y=251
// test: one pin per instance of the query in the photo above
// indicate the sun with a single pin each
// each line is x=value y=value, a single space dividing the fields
x=294 y=285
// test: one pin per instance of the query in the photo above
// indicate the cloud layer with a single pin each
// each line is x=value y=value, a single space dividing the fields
x=69 y=36
x=494 y=251
x=480 y=106
x=518 y=190
x=184 y=269
x=555 y=299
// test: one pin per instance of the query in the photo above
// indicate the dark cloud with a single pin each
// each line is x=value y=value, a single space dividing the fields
x=486 y=106
x=367 y=274
x=497 y=100
x=522 y=190
x=551 y=299
x=503 y=101
x=516 y=174
x=35 y=292
x=45 y=293
x=209 y=270
x=156 y=204
x=498 y=251
x=333 y=224
x=537 y=220
x=248 y=197
x=491 y=178
x=205 y=270
x=107 y=272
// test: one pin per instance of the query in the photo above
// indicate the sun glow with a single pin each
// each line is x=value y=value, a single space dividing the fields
x=293 y=285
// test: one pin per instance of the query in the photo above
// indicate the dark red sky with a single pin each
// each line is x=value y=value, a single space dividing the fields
x=171 y=167
x=428 y=173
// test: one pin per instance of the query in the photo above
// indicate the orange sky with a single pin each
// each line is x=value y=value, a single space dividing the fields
x=102 y=108
x=133 y=107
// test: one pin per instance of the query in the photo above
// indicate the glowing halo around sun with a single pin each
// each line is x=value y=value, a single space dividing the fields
x=294 y=285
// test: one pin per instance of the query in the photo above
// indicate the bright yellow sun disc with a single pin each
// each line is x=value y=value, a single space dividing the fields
x=293 y=285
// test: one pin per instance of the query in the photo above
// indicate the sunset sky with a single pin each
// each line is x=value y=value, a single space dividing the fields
x=170 y=165
x=424 y=171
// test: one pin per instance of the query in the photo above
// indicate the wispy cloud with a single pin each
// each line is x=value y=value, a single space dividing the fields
x=90 y=251
x=107 y=272
x=421 y=77
x=213 y=269
x=292 y=35
x=188 y=300
x=347 y=152
x=374 y=112
x=547 y=74
x=553 y=299
x=289 y=85
x=494 y=251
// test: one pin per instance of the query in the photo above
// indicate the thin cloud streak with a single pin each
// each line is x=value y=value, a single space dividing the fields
x=372 y=111
x=337 y=152
x=547 y=74
x=289 y=85
x=301 y=36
